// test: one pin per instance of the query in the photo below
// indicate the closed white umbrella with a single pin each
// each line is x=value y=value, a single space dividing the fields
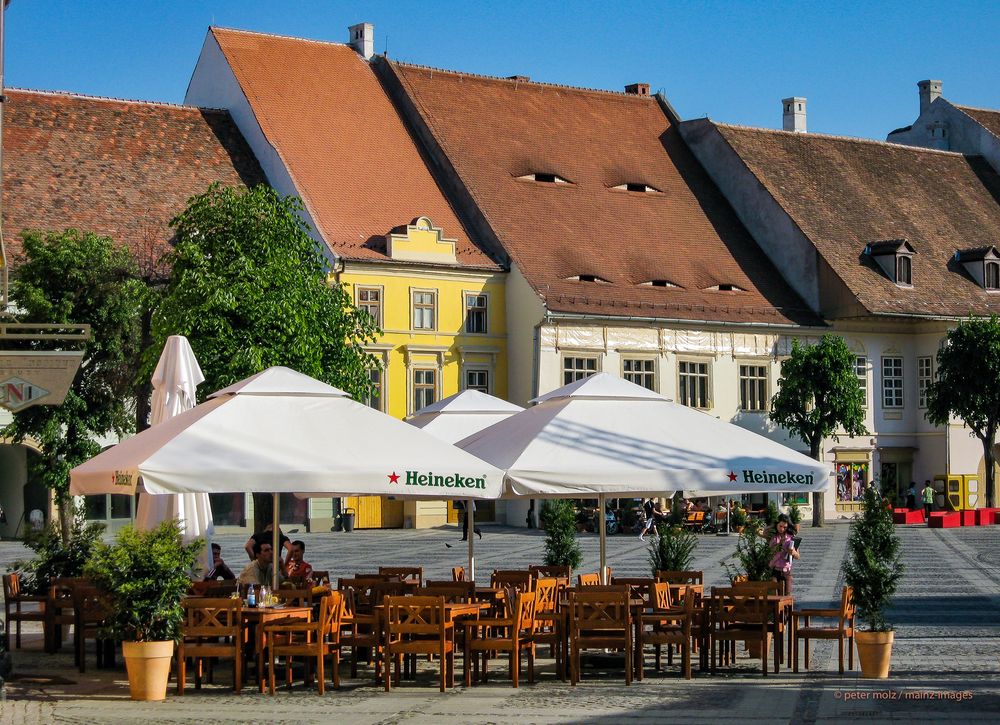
x=456 y=417
x=605 y=436
x=175 y=381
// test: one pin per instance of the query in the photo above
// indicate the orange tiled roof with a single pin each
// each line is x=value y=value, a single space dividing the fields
x=844 y=193
x=495 y=130
x=118 y=168
x=348 y=152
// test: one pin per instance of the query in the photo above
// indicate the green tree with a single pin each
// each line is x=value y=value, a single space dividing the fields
x=872 y=567
x=249 y=288
x=80 y=278
x=968 y=386
x=818 y=395
x=559 y=521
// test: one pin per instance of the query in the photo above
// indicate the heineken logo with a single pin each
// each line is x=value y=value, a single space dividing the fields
x=750 y=476
x=434 y=480
x=121 y=478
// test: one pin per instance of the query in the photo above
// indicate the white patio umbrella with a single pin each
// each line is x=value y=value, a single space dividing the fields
x=280 y=430
x=175 y=380
x=603 y=435
x=456 y=417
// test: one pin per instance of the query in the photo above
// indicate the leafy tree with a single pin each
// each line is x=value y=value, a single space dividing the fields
x=672 y=550
x=55 y=558
x=72 y=277
x=249 y=288
x=752 y=558
x=968 y=386
x=872 y=567
x=559 y=522
x=818 y=394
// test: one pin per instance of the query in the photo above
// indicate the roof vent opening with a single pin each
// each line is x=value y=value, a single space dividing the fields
x=524 y=79
x=638 y=188
x=637 y=89
x=587 y=278
x=659 y=283
x=544 y=178
x=725 y=287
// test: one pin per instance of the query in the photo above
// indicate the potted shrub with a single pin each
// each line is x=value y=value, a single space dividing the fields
x=55 y=558
x=752 y=558
x=738 y=518
x=873 y=570
x=559 y=520
x=672 y=549
x=794 y=514
x=144 y=575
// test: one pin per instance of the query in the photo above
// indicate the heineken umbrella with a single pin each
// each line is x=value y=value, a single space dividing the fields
x=605 y=436
x=279 y=431
x=175 y=380
x=456 y=417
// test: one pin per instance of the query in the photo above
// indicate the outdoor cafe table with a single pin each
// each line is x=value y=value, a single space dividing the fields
x=254 y=620
x=781 y=614
x=636 y=605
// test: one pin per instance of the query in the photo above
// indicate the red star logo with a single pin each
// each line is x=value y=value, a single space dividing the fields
x=732 y=476
x=393 y=478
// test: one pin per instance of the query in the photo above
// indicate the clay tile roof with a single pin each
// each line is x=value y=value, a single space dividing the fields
x=353 y=162
x=495 y=130
x=976 y=254
x=844 y=192
x=985 y=117
x=118 y=168
x=889 y=246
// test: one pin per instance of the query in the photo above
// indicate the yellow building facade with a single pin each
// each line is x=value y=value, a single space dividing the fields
x=443 y=331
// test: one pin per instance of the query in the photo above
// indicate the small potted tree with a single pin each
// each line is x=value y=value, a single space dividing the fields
x=672 y=550
x=561 y=546
x=144 y=575
x=738 y=518
x=873 y=570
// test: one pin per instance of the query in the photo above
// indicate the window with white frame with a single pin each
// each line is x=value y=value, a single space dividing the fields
x=753 y=388
x=861 y=370
x=904 y=270
x=641 y=371
x=476 y=310
x=376 y=399
x=424 y=309
x=925 y=367
x=424 y=387
x=892 y=382
x=692 y=383
x=477 y=379
x=369 y=299
x=578 y=368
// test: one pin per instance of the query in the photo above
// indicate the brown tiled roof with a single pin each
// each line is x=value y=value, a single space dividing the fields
x=118 y=168
x=495 y=130
x=845 y=193
x=351 y=158
x=988 y=119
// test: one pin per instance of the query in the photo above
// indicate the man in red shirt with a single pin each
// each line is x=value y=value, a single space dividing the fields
x=297 y=568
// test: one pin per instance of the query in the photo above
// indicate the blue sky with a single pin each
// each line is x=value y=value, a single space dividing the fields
x=857 y=63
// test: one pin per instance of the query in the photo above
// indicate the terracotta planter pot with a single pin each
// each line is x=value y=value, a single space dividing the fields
x=148 y=665
x=875 y=653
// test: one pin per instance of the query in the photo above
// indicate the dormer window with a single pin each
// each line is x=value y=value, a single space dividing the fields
x=983 y=265
x=895 y=258
x=658 y=283
x=587 y=278
x=724 y=287
x=637 y=188
x=544 y=178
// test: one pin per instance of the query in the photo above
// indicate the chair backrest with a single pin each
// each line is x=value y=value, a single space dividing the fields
x=523 y=581
x=381 y=590
x=458 y=573
x=451 y=591
x=661 y=595
x=847 y=608
x=359 y=594
x=89 y=605
x=680 y=577
x=641 y=586
x=295 y=597
x=415 y=615
x=739 y=607
x=378 y=577
x=527 y=606
x=321 y=576
x=759 y=588
x=557 y=571
x=588 y=580
x=546 y=591
x=211 y=617
x=593 y=611
x=11 y=586
x=412 y=573
x=331 y=615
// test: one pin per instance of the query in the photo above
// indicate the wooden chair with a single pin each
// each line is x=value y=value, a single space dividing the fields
x=296 y=597
x=523 y=581
x=843 y=630
x=563 y=573
x=19 y=607
x=640 y=587
x=451 y=591
x=667 y=626
x=680 y=577
x=599 y=620
x=321 y=577
x=418 y=625
x=59 y=611
x=212 y=627
x=548 y=627
x=588 y=580
x=90 y=610
x=514 y=634
x=740 y=617
x=214 y=588
x=309 y=640
x=695 y=520
x=458 y=574
x=406 y=573
x=768 y=588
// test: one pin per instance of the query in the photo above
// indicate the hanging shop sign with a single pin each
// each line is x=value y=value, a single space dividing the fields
x=36 y=378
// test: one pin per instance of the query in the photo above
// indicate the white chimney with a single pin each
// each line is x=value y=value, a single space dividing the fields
x=793 y=114
x=930 y=91
x=362 y=39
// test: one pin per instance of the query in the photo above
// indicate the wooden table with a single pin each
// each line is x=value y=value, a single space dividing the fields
x=782 y=605
x=254 y=620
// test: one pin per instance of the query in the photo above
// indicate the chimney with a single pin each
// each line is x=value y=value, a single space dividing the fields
x=362 y=39
x=519 y=79
x=793 y=114
x=637 y=89
x=930 y=91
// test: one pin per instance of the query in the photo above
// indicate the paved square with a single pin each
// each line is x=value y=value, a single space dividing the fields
x=946 y=653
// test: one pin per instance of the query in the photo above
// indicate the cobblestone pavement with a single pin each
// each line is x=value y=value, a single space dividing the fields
x=945 y=661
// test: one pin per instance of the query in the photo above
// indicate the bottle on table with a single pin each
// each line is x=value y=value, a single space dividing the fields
x=251 y=597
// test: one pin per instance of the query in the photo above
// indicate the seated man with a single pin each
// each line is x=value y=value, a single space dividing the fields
x=259 y=570
x=284 y=543
x=297 y=569
x=219 y=568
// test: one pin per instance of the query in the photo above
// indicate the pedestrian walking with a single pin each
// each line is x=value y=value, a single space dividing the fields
x=469 y=519
x=928 y=494
x=654 y=514
x=911 y=496
x=781 y=540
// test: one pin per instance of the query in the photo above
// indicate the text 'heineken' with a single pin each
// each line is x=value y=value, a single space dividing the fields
x=414 y=478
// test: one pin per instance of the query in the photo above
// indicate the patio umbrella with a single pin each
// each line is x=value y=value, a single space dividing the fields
x=280 y=430
x=606 y=436
x=175 y=379
x=455 y=418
